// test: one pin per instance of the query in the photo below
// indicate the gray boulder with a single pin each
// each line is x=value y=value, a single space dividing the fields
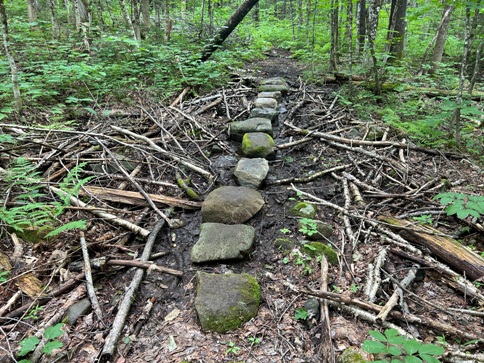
x=251 y=172
x=258 y=145
x=219 y=241
x=274 y=88
x=231 y=205
x=265 y=103
x=274 y=80
x=276 y=95
x=239 y=128
x=268 y=113
x=225 y=302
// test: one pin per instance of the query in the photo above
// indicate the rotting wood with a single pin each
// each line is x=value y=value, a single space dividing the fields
x=89 y=281
x=135 y=198
x=326 y=348
x=445 y=248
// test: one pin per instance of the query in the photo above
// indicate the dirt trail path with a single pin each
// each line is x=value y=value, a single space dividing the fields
x=366 y=181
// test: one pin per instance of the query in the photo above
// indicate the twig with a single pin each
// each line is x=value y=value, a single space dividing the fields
x=373 y=281
x=124 y=306
x=89 y=282
x=310 y=177
x=195 y=168
x=327 y=348
x=135 y=183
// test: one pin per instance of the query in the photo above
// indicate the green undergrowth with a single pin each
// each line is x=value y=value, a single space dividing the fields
x=427 y=120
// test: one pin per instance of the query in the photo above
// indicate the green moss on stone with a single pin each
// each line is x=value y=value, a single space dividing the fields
x=350 y=355
x=315 y=249
x=303 y=209
x=285 y=245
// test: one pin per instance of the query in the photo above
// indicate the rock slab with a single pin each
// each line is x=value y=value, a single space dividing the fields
x=251 y=172
x=268 y=113
x=239 y=128
x=225 y=302
x=219 y=242
x=231 y=205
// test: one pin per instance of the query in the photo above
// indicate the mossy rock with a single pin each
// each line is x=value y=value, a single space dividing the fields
x=303 y=209
x=225 y=302
x=285 y=245
x=315 y=249
x=258 y=145
x=350 y=355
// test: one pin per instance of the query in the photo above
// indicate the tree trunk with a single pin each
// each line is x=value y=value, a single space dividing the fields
x=397 y=30
x=373 y=14
x=475 y=73
x=53 y=19
x=11 y=61
x=33 y=8
x=127 y=18
x=441 y=36
x=456 y=121
x=333 y=53
x=227 y=29
x=360 y=27
x=145 y=11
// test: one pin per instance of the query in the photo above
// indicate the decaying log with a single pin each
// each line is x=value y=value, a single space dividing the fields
x=445 y=248
x=135 y=198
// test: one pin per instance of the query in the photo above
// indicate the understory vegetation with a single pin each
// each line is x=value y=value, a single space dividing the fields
x=69 y=71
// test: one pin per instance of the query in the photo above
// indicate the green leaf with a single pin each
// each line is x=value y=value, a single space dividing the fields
x=81 y=224
x=377 y=335
x=390 y=333
x=51 y=346
x=89 y=109
x=301 y=314
x=372 y=346
x=53 y=332
x=431 y=349
x=28 y=345
x=412 y=359
x=411 y=346
x=463 y=213
x=429 y=358
x=394 y=351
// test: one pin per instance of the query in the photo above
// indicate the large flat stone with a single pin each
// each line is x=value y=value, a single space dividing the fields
x=251 y=172
x=274 y=88
x=225 y=302
x=218 y=242
x=274 y=80
x=231 y=205
x=239 y=128
x=268 y=113
x=265 y=103
x=276 y=95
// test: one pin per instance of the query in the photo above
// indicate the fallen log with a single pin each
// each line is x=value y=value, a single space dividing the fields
x=445 y=248
x=135 y=198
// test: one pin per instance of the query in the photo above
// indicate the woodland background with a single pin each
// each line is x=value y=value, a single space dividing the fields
x=416 y=64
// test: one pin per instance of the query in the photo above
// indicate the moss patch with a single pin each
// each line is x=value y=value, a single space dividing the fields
x=303 y=209
x=285 y=245
x=315 y=249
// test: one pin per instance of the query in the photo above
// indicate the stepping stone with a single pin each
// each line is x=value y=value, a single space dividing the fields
x=239 y=128
x=276 y=95
x=231 y=205
x=304 y=210
x=225 y=302
x=265 y=103
x=274 y=80
x=219 y=241
x=258 y=145
x=268 y=113
x=274 y=88
x=251 y=172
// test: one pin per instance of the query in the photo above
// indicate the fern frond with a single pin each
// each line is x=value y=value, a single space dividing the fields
x=80 y=224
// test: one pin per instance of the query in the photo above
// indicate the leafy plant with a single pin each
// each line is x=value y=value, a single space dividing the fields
x=301 y=314
x=394 y=348
x=285 y=230
x=253 y=340
x=32 y=314
x=232 y=349
x=308 y=226
x=462 y=205
x=51 y=334
x=24 y=183
x=3 y=276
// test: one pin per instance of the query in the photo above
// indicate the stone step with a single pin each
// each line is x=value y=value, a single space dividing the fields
x=258 y=145
x=239 y=128
x=251 y=172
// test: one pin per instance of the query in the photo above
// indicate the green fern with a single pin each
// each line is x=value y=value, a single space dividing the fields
x=31 y=210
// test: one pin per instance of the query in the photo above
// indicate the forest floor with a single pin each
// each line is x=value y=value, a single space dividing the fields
x=334 y=166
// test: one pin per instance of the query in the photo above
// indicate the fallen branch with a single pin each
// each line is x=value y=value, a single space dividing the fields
x=89 y=282
x=124 y=306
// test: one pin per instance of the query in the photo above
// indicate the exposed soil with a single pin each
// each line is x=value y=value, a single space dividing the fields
x=394 y=182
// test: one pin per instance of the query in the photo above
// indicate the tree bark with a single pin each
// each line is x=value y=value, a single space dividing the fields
x=33 y=7
x=397 y=30
x=360 y=26
x=228 y=28
x=441 y=36
x=373 y=14
x=333 y=53
x=53 y=19
x=11 y=60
